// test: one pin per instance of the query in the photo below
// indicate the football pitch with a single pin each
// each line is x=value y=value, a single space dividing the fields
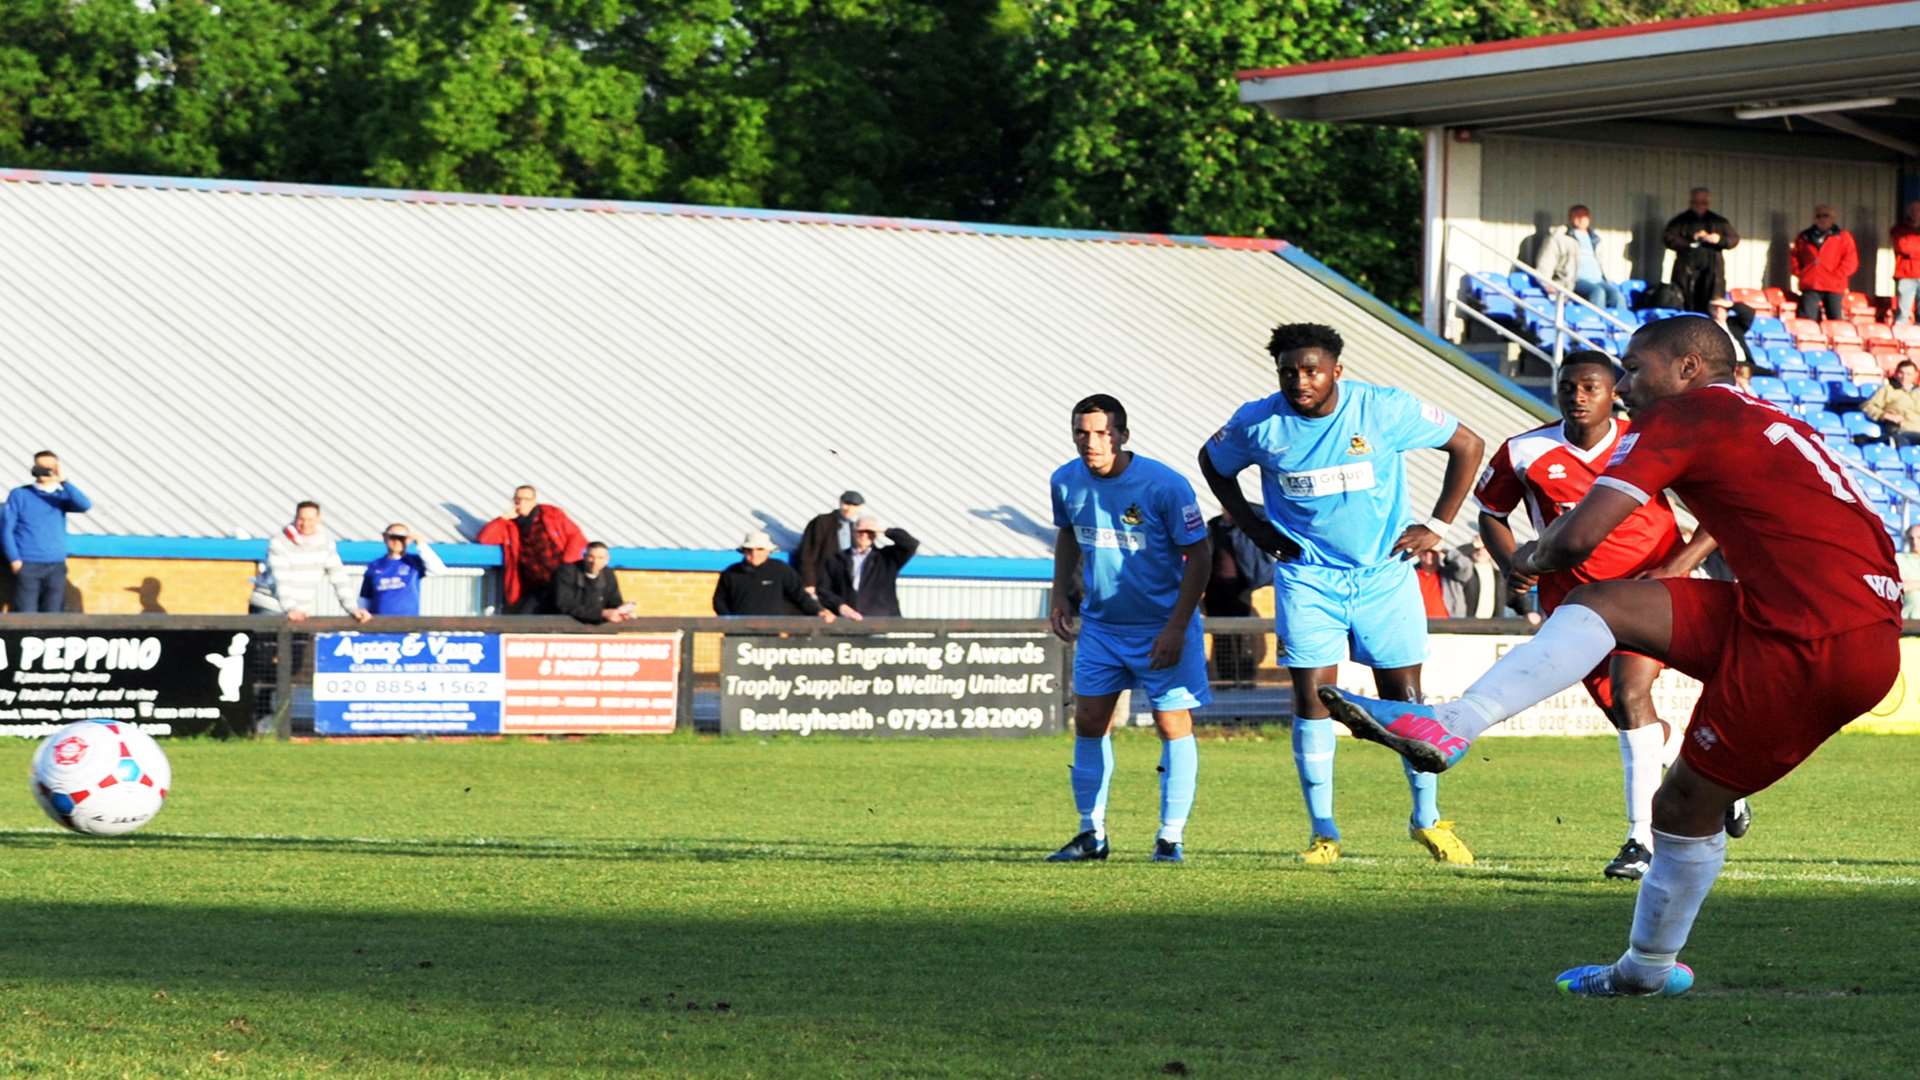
x=691 y=906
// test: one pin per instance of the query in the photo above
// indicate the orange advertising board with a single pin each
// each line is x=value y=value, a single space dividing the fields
x=586 y=684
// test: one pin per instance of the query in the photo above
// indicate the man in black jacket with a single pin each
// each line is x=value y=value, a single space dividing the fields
x=588 y=590
x=761 y=585
x=1698 y=237
x=825 y=536
x=863 y=579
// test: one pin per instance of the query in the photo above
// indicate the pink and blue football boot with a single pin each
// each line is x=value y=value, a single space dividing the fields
x=1413 y=731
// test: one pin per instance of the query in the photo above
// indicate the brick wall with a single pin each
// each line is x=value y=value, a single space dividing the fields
x=131 y=586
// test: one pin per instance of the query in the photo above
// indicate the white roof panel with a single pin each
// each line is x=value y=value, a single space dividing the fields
x=203 y=354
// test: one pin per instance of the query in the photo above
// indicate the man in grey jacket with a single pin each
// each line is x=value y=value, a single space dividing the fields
x=300 y=559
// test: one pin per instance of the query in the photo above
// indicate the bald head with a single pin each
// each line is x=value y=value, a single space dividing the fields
x=1684 y=334
x=1673 y=356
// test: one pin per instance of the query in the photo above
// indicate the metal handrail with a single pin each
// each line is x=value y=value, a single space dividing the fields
x=1546 y=284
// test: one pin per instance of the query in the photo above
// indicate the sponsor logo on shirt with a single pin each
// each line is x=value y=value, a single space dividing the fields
x=1433 y=414
x=1220 y=436
x=1883 y=586
x=1132 y=515
x=1486 y=477
x=1556 y=471
x=1358 y=446
x=1315 y=483
x=1190 y=517
x=1626 y=447
x=1705 y=737
x=1117 y=539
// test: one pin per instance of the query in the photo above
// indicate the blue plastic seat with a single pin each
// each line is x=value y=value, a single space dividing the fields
x=1770 y=330
x=1881 y=455
x=1841 y=393
x=1768 y=388
x=1523 y=283
x=1484 y=284
x=1806 y=391
x=1829 y=424
x=1849 y=451
x=1497 y=305
x=1784 y=357
x=1860 y=427
x=1910 y=455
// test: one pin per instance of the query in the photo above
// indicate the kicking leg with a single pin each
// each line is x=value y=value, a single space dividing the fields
x=1594 y=621
x=1313 y=744
x=1179 y=774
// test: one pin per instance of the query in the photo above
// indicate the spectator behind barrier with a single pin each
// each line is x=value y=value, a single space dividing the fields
x=33 y=534
x=1699 y=239
x=1474 y=586
x=1897 y=405
x=1433 y=589
x=1823 y=259
x=1239 y=569
x=761 y=585
x=391 y=585
x=825 y=536
x=588 y=590
x=1906 y=265
x=1589 y=275
x=535 y=541
x=864 y=579
x=300 y=560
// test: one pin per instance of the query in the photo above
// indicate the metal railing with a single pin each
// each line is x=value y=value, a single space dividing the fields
x=1560 y=296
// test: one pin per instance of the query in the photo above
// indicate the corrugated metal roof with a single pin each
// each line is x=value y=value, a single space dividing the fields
x=203 y=354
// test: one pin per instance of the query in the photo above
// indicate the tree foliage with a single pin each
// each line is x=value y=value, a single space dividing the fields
x=1111 y=114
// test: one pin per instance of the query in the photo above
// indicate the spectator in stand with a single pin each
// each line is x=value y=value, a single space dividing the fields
x=535 y=540
x=391 y=585
x=1699 y=238
x=1897 y=405
x=1239 y=568
x=1743 y=375
x=33 y=533
x=1736 y=320
x=1474 y=586
x=299 y=561
x=1824 y=258
x=761 y=585
x=589 y=591
x=1589 y=277
x=826 y=536
x=1909 y=563
x=1906 y=265
x=864 y=579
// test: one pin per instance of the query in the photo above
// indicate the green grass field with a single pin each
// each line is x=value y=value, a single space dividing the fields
x=689 y=906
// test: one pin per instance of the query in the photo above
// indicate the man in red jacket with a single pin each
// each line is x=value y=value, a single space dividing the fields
x=1824 y=259
x=535 y=541
x=1906 y=264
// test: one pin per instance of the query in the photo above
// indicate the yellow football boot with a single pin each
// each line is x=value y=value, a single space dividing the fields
x=1324 y=852
x=1443 y=843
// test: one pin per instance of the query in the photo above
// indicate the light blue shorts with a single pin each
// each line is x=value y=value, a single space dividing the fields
x=1108 y=659
x=1320 y=612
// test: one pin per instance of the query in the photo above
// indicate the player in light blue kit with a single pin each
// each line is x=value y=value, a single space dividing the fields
x=1133 y=529
x=1339 y=520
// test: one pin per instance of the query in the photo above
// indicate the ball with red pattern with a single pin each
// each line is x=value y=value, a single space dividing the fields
x=101 y=777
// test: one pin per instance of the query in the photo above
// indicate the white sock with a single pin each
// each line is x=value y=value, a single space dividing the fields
x=1640 y=752
x=1173 y=830
x=1566 y=647
x=1676 y=738
x=1670 y=895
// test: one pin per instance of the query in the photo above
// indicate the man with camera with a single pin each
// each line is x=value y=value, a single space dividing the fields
x=33 y=534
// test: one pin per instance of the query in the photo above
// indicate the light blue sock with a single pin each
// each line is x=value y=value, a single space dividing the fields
x=1313 y=757
x=1092 y=769
x=1426 y=796
x=1179 y=772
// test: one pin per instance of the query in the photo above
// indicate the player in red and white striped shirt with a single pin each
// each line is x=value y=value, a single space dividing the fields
x=1550 y=469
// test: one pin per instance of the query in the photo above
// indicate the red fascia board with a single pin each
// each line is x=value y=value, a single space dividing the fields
x=1454 y=52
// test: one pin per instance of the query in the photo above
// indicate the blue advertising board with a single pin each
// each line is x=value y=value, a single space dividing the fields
x=405 y=684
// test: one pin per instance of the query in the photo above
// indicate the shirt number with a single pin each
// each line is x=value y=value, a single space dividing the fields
x=1823 y=462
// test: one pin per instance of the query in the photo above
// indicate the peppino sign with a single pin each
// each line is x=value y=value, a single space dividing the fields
x=167 y=682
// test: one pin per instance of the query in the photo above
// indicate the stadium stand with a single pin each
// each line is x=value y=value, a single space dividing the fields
x=671 y=375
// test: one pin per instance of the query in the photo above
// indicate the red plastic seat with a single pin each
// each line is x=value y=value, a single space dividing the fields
x=1908 y=334
x=1806 y=331
x=1842 y=333
x=1779 y=297
x=1860 y=365
x=1757 y=299
x=1859 y=303
x=1875 y=333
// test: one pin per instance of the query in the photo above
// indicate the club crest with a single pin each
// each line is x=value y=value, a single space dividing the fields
x=1132 y=515
x=1359 y=446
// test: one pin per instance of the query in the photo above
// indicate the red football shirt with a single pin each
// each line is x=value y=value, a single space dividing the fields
x=1552 y=475
x=1813 y=560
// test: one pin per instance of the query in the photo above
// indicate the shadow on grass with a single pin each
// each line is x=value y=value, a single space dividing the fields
x=947 y=987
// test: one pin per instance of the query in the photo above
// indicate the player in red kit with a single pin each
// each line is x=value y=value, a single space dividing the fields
x=1550 y=469
x=1804 y=642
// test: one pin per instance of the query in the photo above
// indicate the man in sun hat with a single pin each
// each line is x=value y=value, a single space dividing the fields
x=761 y=585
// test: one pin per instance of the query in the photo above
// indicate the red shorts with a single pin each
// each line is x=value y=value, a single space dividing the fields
x=1769 y=700
x=1599 y=681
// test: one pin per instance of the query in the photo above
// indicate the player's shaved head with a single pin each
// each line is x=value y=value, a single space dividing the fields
x=1689 y=334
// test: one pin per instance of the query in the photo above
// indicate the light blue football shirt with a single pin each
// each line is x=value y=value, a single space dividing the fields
x=1131 y=528
x=1334 y=484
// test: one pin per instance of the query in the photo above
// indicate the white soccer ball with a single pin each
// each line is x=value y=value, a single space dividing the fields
x=101 y=777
